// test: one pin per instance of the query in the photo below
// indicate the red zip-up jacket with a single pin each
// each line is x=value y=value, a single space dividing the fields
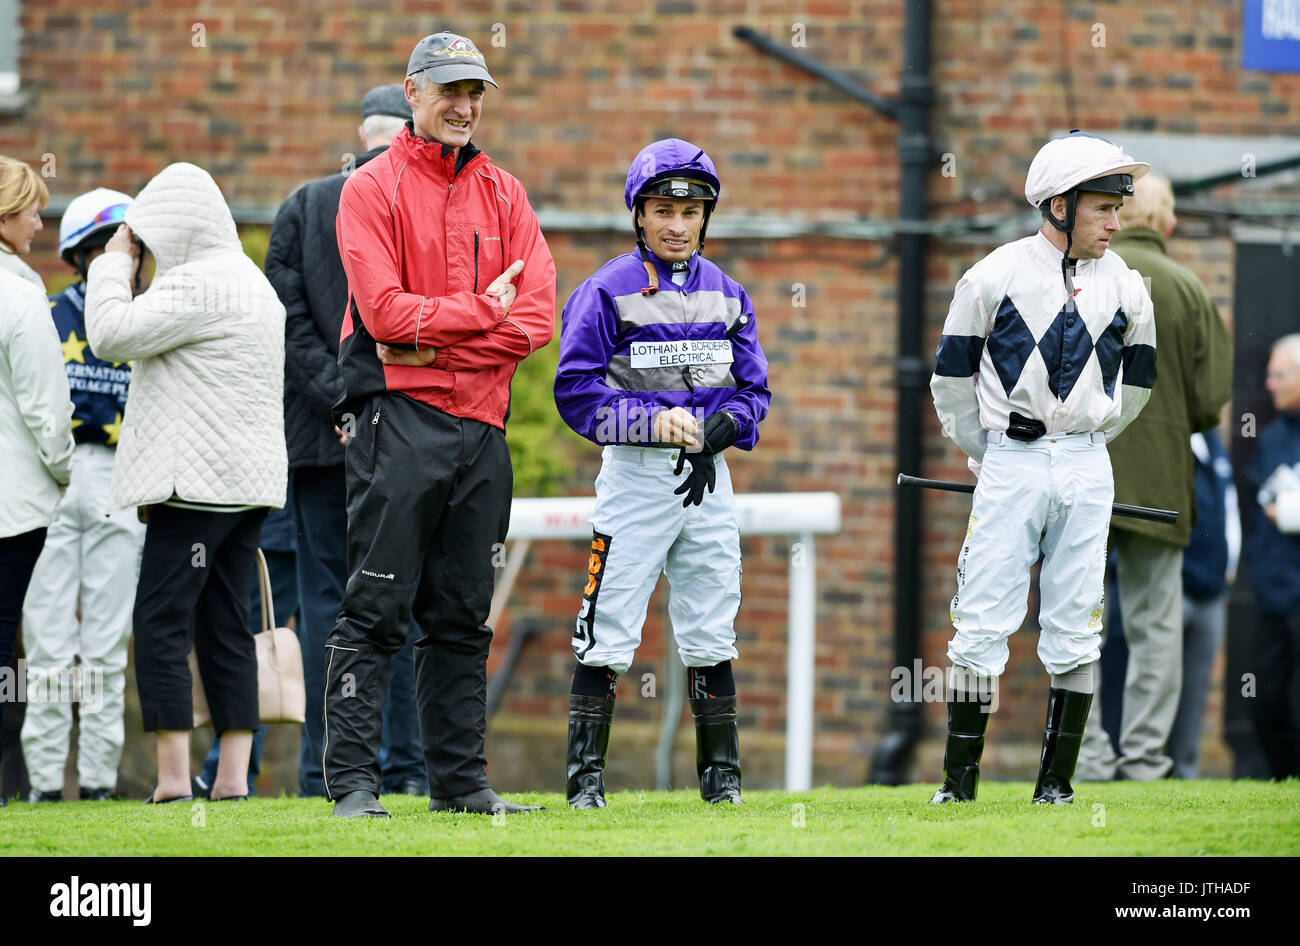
x=420 y=243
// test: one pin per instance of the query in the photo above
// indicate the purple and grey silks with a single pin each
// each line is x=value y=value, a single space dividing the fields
x=625 y=356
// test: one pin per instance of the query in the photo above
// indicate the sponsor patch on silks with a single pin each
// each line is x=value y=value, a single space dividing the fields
x=696 y=351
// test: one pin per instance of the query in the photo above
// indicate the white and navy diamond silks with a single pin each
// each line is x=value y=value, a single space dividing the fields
x=1015 y=341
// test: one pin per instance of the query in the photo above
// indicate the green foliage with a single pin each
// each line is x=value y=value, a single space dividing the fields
x=56 y=285
x=1115 y=819
x=540 y=451
x=255 y=238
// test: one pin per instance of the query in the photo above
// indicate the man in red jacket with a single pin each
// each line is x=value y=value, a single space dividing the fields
x=451 y=285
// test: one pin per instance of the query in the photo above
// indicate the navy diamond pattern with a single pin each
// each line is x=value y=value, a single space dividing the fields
x=1110 y=351
x=1065 y=348
x=1010 y=344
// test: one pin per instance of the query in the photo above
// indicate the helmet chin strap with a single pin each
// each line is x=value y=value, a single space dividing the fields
x=80 y=265
x=651 y=273
x=1066 y=227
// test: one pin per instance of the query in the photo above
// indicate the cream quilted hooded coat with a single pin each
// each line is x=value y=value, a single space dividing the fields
x=204 y=418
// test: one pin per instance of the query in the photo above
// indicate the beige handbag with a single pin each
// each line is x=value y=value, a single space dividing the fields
x=281 y=693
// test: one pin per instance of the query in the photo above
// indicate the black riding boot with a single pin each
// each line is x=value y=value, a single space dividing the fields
x=1067 y=714
x=717 y=749
x=968 y=721
x=589 y=722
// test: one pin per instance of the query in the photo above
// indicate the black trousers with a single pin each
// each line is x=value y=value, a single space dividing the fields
x=320 y=510
x=18 y=555
x=1277 y=704
x=428 y=509
x=195 y=574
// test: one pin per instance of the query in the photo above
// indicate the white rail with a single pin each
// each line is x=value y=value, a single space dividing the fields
x=802 y=515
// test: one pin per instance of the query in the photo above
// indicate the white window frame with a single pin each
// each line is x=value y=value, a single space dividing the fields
x=10 y=47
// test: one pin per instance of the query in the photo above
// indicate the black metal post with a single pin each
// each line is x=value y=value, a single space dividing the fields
x=915 y=154
x=889 y=765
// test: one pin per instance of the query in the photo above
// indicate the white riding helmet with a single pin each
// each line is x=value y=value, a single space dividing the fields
x=1063 y=164
x=91 y=213
x=1076 y=163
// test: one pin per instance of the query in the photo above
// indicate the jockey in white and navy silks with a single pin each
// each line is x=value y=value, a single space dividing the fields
x=1048 y=353
x=1011 y=344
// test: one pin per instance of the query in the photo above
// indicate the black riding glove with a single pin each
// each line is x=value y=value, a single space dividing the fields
x=702 y=475
x=718 y=432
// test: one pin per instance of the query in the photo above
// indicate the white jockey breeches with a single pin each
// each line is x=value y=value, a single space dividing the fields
x=95 y=559
x=1051 y=497
x=639 y=529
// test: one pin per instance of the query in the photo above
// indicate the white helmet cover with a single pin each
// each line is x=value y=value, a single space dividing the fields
x=1064 y=163
x=90 y=213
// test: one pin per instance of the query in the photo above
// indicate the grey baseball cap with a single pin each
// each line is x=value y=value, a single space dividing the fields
x=386 y=100
x=447 y=57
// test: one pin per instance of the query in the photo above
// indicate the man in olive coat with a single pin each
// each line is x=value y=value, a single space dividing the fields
x=1154 y=466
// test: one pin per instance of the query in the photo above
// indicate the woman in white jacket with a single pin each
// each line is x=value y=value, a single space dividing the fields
x=202 y=454
x=35 y=407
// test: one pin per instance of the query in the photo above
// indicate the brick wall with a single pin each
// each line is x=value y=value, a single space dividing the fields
x=270 y=97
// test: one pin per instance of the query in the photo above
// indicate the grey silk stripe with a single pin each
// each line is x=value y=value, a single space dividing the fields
x=621 y=376
x=676 y=308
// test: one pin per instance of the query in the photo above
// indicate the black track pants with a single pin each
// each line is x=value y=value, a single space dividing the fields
x=428 y=500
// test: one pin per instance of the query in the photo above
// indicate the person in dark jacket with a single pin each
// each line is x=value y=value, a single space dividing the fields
x=1273 y=552
x=1153 y=466
x=1209 y=566
x=302 y=263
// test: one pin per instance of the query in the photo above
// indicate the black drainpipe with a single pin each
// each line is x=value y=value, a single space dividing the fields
x=889 y=765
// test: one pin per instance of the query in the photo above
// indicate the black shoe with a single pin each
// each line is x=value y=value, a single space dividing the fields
x=359 y=804
x=229 y=798
x=166 y=801
x=199 y=788
x=96 y=794
x=1067 y=714
x=410 y=786
x=482 y=802
x=589 y=721
x=717 y=750
x=36 y=796
x=968 y=721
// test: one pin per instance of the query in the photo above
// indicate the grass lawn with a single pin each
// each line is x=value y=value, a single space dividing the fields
x=1124 y=818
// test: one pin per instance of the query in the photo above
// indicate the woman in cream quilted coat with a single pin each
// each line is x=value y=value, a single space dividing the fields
x=201 y=453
